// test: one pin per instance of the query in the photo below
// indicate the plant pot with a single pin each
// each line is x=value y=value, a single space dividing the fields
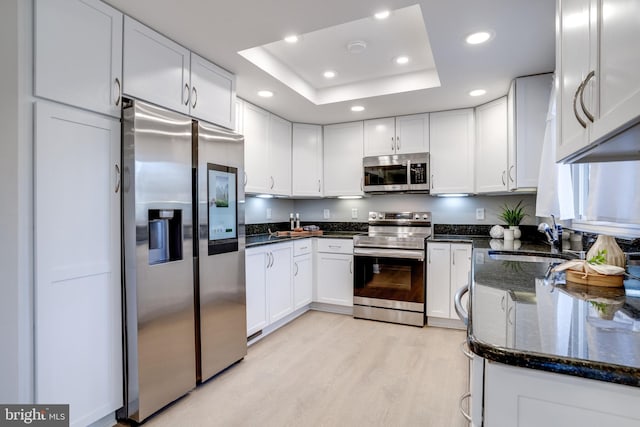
x=516 y=231
x=508 y=234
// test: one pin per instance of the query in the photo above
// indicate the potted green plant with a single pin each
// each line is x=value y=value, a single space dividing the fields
x=513 y=217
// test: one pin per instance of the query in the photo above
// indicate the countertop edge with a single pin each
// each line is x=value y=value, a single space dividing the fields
x=579 y=368
x=284 y=239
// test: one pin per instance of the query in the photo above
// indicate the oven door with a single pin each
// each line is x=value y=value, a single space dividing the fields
x=389 y=278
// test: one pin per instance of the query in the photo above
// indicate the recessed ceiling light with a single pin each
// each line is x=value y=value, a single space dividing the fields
x=357 y=108
x=402 y=60
x=329 y=74
x=479 y=37
x=265 y=93
x=477 y=92
x=291 y=39
x=383 y=14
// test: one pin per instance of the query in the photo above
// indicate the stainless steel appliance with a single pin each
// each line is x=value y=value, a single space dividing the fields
x=182 y=298
x=398 y=172
x=390 y=269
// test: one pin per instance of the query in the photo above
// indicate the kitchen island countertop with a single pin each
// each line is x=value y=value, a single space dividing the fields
x=520 y=315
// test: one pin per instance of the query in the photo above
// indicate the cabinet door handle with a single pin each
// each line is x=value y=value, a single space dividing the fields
x=575 y=110
x=584 y=85
x=194 y=95
x=502 y=177
x=118 y=91
x=429 y=256
x=510 y=177
x=186 y=93
x=361 y=184
x=118 y=179
x=393 y=145
x=509 y=315
x=273 y=182
x=319 y=186
x=462 y=411
x=295 y=264
x=350 y=267
x=245 y=179
x=397 y=142
x=502 y=303
x=453 y=258
x=432 y=181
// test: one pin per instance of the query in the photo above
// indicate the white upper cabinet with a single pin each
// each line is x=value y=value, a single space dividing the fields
x=528 y=102
x=158 y=70
x=78 y=54
x=256 y=148
x=491 y=147
x=412 y=133
x=155 y=68
x=213 y=93
x=452 y=136
x=239 y=123
x=380 y=137
x=267 y=154
x=405 y=134
x=279 y=163
x=343 y=150
x=307 y=160
x=599 y=86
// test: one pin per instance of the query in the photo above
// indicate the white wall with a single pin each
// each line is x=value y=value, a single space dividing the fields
x=16 y=193
x=445 y=210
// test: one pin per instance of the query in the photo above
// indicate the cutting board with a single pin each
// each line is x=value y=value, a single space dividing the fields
x=299 y=233
x=594 y=279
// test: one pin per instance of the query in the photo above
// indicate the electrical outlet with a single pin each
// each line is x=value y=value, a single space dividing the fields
x=354 y=213
x=268 y=213
x=480 y=213
x=326 y=214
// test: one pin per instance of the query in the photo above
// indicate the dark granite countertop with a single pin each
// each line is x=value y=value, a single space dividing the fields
x=266 y=239
x=518 y=317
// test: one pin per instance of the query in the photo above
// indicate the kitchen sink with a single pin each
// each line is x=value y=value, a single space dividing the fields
x=551 y=258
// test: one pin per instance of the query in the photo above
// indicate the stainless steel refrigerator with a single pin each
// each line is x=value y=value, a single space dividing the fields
x=184 y=293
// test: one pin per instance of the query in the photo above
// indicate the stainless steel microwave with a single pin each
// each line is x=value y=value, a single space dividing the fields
x=397 y=172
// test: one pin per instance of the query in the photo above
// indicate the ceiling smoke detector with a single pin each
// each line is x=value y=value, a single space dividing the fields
x=356 y=47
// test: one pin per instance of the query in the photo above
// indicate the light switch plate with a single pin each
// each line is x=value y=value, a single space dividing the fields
x=326 y=214
x=268 y=213
x=480 y=213
x=354 y=213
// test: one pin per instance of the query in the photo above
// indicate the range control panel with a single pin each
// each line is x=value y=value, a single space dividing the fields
x=399 y=217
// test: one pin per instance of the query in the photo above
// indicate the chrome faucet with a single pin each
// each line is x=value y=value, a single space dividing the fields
x=552 y=235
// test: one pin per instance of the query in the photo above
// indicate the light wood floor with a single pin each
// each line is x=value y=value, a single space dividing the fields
x=332 y=370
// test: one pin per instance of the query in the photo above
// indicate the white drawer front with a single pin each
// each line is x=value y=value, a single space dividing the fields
x=336 y=246
x=301 y=247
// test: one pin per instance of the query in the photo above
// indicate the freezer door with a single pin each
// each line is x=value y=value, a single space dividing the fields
x=221 y=232
x=158 y=256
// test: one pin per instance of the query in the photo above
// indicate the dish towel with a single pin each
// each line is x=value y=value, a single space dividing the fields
x=555 y=188
x=614 y=192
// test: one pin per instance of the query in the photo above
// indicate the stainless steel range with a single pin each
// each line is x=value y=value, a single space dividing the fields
x=390 y=268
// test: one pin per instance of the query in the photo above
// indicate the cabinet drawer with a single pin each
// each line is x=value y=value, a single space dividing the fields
x=336 y=246
x=301 y=247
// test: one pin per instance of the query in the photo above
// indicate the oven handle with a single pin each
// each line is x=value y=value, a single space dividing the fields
x=389 y=253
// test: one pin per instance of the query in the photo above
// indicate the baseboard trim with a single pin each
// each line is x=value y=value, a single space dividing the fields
x=446 y=323
x=332 y=308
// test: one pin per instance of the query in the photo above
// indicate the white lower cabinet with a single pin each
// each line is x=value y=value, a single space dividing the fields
x=530 y=398
x=256 y=289
x=490 y=308
x=302 y=273
x=269 y=284
x=78 y=333
x=335 y=272
x=448 y=269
